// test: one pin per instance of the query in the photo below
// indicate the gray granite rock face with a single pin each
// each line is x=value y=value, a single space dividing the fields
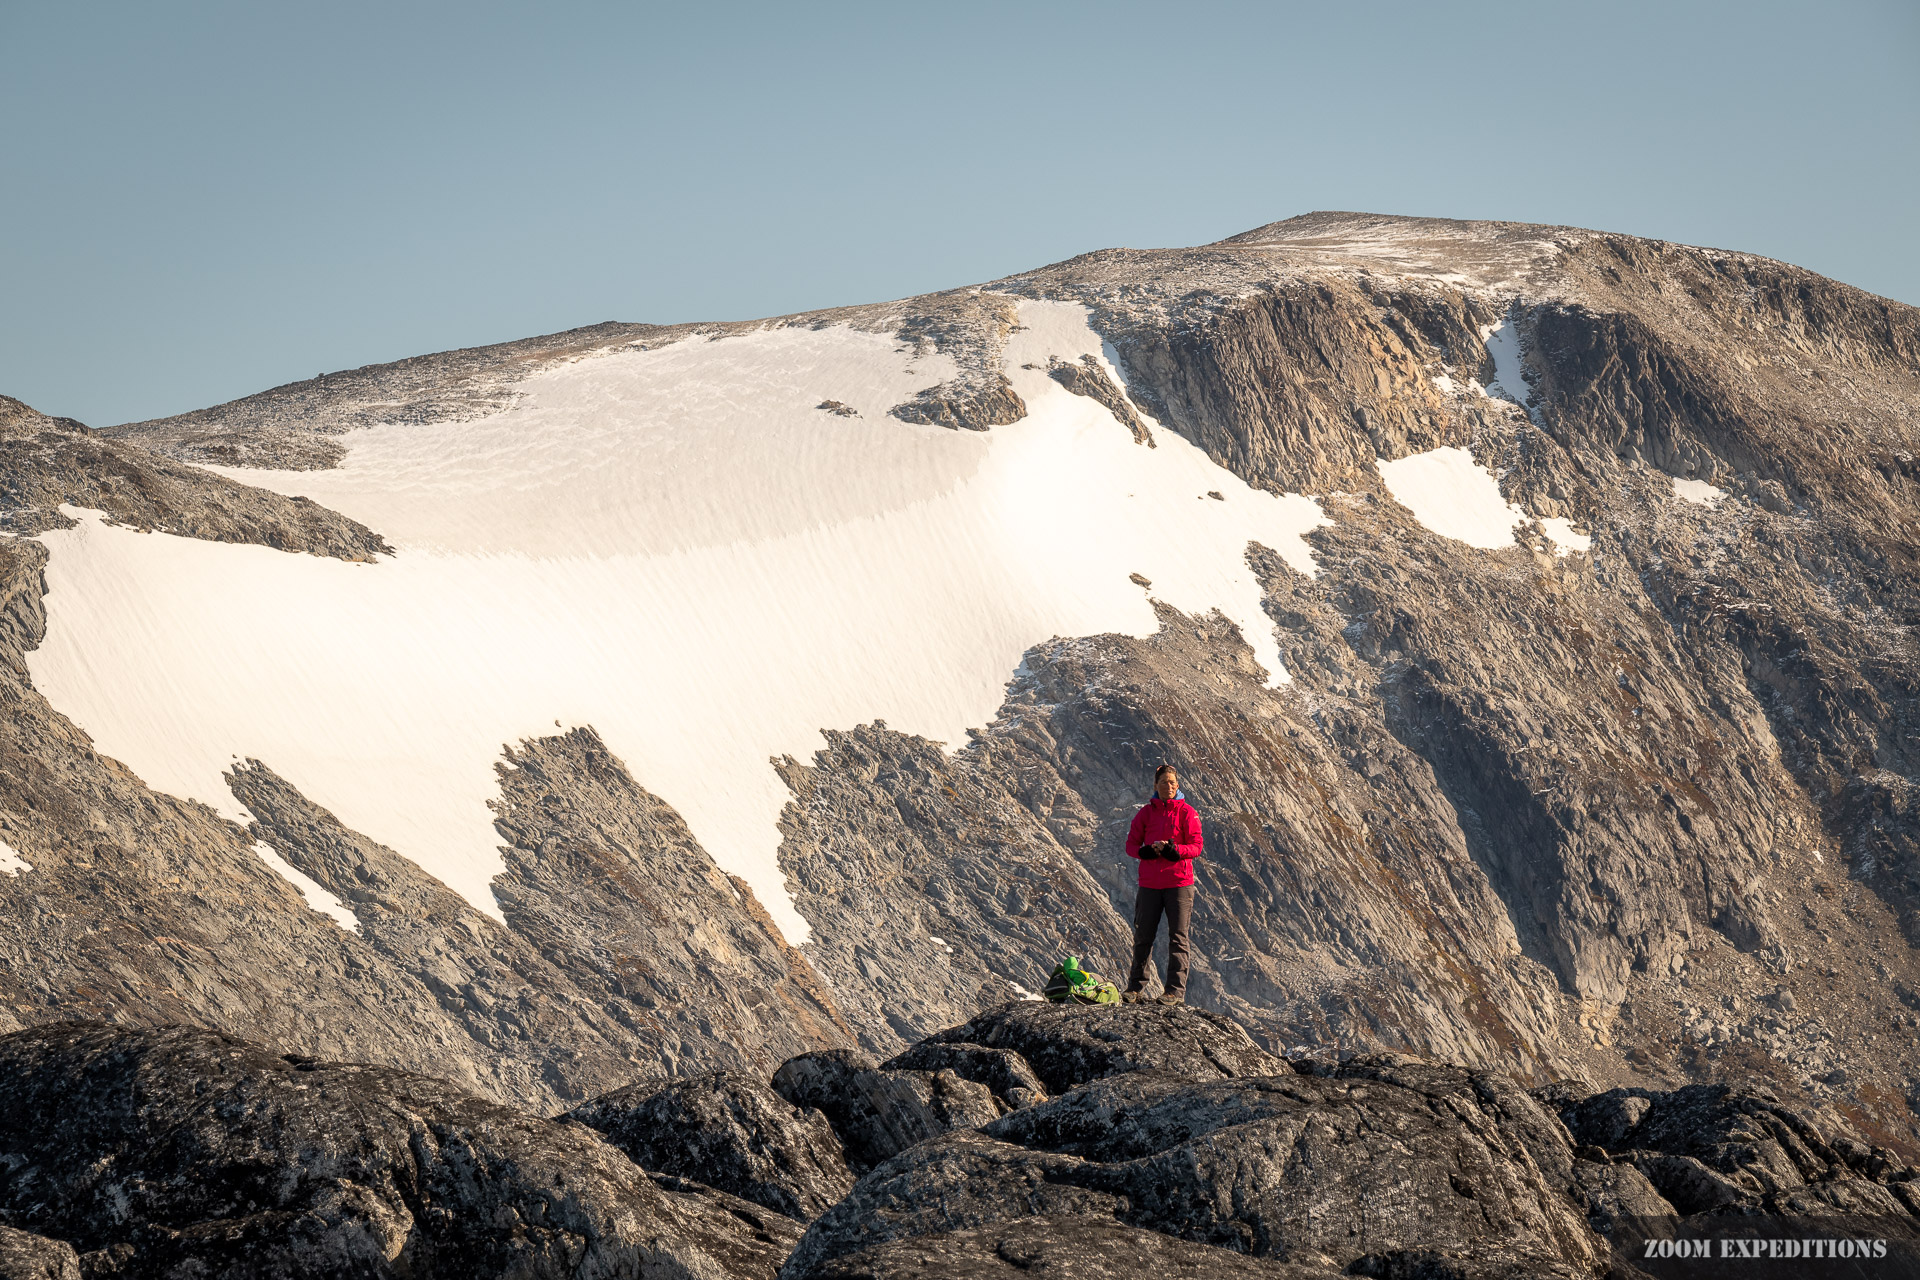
x=148 y=910
x=730 y=1131
x=1326 y=837
x=625 y=950
x=933 y=888
x=606 y=881
x=186 y=1149
x=1587 y=780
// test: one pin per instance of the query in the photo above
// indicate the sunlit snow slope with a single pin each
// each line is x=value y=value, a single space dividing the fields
x=674 y=546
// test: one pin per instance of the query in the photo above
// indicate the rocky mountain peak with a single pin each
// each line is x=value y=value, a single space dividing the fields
x=1618 y=795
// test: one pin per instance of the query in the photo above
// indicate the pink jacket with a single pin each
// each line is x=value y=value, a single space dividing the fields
x=1160 y=820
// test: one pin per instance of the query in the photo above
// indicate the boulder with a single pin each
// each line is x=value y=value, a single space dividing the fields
x=727 y=1130
x=1717 y=1147
x=1688 y=1185
x=1069 y=1044
x=24 y=1256
x=879 y=1113
x=182 y=1151
x=952 y=1183
x=1001 y=1070
x=1478 y=1098
x=1621 y=1203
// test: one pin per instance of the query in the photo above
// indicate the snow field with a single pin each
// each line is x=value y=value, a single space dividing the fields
x=317 y=896
x=10 y=860
x=676 y=547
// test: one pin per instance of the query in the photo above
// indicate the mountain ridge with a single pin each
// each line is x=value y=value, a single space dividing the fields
x=1655 y=787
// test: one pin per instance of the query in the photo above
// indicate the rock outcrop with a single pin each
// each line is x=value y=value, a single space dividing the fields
x=182 y=1151
x=1173 y=1145
x=1007 y=1075
x=933 y=887
x=729 y=1130
x=1064 y=1046
x=1086 y=378
x=1092 y=1248
x=25 y=1256
x=624 y=949
x=1710 y=1149
x=48 y=463
x=1171 y=1126
x=880 y=1113
x=972 y=406
x=606 y=881
x=1172 y=1120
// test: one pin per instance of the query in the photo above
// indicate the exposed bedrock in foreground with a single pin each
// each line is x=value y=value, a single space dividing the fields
x=182 y=1151
x=1119 y=1139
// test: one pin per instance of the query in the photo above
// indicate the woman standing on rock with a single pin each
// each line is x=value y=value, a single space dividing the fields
x=1165 y=839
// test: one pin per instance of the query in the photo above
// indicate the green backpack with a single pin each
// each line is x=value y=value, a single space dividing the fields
x=1072 y=984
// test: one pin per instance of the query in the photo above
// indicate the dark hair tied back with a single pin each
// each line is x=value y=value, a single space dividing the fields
x=1161 y=771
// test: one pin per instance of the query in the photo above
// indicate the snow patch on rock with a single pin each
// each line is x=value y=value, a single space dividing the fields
x=1565 y=539
x=1509 y=370
x=1455 y=497
x=10 y=860
x=1697 y=491
x=317 y=895
x=674 y=546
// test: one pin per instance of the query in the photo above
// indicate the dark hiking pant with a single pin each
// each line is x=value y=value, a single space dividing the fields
x=1177 y=906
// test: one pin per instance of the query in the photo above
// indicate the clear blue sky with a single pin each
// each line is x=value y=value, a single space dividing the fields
x=198 y=201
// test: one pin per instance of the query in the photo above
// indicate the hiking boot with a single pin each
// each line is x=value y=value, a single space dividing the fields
x=1132 y=997
x=1170 y=998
